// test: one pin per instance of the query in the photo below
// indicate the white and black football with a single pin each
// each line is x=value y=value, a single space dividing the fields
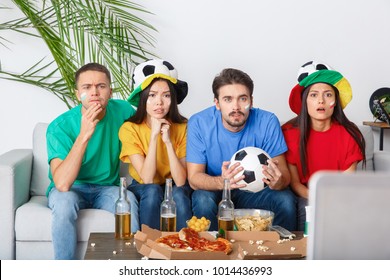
x=252 y=159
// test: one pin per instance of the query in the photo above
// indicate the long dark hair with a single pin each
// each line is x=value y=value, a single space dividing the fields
x=173 y=114
x=302 y=121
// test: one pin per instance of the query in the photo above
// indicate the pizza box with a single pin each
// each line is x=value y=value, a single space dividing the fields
x=246 y=245
x=266 y=245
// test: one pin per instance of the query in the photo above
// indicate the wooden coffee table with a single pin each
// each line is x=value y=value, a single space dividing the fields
x=104 y=246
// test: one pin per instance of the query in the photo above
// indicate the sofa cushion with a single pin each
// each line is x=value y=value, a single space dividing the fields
x=33 y=221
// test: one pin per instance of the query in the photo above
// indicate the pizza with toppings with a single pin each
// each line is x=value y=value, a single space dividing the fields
x=189 y=240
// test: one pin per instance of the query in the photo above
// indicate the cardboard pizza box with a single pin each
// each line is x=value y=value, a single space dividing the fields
x=146 y=245
x=246 y=245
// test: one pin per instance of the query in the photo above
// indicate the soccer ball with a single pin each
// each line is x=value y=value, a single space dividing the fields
x=252 y=159
x=311 y=67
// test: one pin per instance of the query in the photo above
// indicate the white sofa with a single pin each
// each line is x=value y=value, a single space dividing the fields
x=25 y=219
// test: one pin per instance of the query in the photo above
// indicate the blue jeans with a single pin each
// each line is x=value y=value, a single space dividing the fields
x=150 y=197
x=66 y=205
x=282 y=203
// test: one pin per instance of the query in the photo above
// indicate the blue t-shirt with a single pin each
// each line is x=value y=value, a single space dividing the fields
x=210 y=143
x=100 y=164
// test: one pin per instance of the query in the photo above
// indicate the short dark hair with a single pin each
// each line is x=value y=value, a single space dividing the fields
x=230 y=76
x=93 y=66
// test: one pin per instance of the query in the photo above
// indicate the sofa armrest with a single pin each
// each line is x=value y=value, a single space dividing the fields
x=15 y=177
x=382 y=161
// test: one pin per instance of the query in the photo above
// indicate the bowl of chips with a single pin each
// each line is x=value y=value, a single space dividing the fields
x=198 y=224
x=253 y=219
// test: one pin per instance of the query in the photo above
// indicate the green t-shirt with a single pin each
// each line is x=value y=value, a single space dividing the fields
x=100 y=163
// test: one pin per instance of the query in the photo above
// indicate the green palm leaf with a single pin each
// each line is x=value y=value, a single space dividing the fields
x=76 y=32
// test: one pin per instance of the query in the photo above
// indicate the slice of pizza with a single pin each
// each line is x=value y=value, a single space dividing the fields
x=203 y=244
x=221 y=244
x=188 y=234
x=189 y=240
x=173 y=241
x=193 y=239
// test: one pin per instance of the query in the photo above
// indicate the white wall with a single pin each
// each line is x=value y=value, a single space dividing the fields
x=267 y=39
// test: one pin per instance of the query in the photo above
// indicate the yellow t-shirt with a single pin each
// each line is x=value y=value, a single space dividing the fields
x=135 y=139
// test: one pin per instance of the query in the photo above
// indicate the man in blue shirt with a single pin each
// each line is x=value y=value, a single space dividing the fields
x=216 y=133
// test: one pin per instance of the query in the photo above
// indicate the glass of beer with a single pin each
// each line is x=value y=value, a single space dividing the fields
x=168 y=222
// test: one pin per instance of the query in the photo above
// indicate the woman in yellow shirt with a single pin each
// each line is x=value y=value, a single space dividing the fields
x=154 y=141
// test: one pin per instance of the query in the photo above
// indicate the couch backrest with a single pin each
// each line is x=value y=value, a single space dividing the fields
x=369 y=138
x=40 y=170
x=40 y=180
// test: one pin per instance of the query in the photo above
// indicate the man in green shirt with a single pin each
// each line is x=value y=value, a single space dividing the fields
x=83 y=153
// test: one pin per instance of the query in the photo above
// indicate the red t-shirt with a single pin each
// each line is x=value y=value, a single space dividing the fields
x=334 y=149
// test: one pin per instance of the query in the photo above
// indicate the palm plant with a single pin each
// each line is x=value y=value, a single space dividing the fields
x=77 y=32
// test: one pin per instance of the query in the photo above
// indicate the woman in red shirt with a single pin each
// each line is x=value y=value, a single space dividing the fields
x=321 y=137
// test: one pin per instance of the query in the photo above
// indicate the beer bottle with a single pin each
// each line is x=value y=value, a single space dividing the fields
x=226 y=209
x=168 y=209
x=122 y=213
